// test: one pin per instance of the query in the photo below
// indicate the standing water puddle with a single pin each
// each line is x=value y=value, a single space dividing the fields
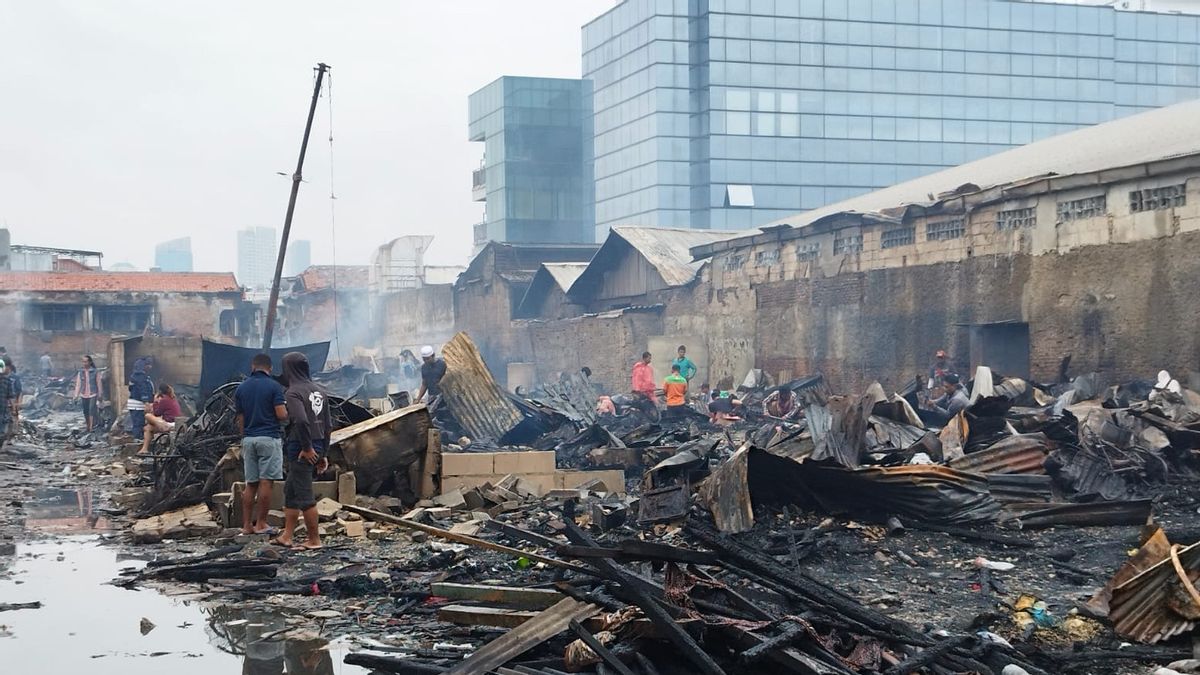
x=86 y=625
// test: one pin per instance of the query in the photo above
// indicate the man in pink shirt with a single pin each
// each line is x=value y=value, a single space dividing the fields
x=643 y=377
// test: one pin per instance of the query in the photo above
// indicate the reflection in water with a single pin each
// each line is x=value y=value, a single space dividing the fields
x=262 y=639
x=64 y=510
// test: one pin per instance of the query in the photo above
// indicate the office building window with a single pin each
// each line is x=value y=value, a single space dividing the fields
x=1078 y=209
x=739 y=196
x=954 y=228
x=898 y=236
x=1014 y=219
x=1154 y=199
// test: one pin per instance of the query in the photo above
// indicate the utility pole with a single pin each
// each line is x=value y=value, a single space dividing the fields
x=291 y=208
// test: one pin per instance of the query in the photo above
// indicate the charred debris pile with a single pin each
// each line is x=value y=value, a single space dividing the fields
x=633 y=544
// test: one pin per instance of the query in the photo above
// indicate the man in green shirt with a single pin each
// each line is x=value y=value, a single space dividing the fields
x=686 y=368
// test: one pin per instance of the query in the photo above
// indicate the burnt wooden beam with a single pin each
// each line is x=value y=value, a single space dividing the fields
x=598 y=647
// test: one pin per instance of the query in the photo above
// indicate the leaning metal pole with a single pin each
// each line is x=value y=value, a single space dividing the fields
x=287 y=220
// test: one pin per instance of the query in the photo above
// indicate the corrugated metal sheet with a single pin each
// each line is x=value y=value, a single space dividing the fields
x=668 y=249
x=1134 y=512
x=1024 y=453
x=469 y=390
x=573 y=397
x=1139 y=608
x=1009 y=488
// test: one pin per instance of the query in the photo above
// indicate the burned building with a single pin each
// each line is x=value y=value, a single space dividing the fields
x=1075 y=253
x=1079 y=250
x=488 y=293
x=412 y=304
x=71 y=313
x=326 y=303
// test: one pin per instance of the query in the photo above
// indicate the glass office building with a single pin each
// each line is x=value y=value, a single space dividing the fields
x=536 y=178
x=729 y=114
x=174 y=255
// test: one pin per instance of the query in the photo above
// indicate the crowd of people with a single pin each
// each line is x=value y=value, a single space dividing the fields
x=944 y=393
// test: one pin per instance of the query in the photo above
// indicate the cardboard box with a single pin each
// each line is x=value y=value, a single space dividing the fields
x=468 y=464
x=521 y=463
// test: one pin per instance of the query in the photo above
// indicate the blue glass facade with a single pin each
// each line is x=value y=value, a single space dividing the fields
x=537 y=173
x=734 y=113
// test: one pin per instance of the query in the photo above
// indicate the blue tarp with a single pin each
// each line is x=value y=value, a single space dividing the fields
x=221 y=363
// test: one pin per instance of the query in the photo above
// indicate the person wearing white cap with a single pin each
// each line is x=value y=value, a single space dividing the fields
x=433 y=370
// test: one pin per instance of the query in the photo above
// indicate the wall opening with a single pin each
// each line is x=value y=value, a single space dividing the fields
x=1003 y=347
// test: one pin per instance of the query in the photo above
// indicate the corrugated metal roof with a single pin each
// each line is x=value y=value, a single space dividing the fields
x=471 y=393
x=669 y=250
x=564 y=274
x=1023 y=453
x=1164 y=133
x=1139 y=607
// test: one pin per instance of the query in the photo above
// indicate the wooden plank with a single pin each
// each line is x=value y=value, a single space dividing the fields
x=499 y=617
x=528 y=635
x=506 y=617
x=431 y=465
x=522 y=598
x=381 y=517
x=514 y=532
x=631 y=586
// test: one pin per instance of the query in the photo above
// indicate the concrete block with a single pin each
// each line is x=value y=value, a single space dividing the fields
x=614 y=481
x=523 y=462
x=468 y=463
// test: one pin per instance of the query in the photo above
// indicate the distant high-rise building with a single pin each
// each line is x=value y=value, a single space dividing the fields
x=257 y=248
x=536 y=177
x=299 y=257
x=174 y=255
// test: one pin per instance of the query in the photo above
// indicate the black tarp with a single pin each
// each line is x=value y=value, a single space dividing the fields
x=221 y=363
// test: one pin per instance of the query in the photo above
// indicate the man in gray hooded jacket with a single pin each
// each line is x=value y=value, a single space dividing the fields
x=307 y=441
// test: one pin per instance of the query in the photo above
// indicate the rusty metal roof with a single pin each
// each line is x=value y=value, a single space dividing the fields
x=472 y=394
x=1139 y=607
x=1023 y=453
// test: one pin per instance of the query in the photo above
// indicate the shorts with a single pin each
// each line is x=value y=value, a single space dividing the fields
x=298 y=489
x=262 y=458
x=89 y=407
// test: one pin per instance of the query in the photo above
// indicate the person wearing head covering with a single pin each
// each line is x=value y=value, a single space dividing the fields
x=141 y=392
x=954 y=397
x=937 y=370
x=307 y=440
x=433 y=370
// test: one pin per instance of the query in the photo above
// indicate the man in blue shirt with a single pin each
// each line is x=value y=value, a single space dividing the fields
x=686 y=368
x=260 y=410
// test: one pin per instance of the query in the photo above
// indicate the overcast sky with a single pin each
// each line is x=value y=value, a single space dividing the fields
x=127 y=123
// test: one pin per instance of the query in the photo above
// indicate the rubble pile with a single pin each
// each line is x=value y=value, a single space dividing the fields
x=501 y=533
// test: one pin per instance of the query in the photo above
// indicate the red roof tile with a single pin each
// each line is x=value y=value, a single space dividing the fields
x=141 y=282
x=320 y=277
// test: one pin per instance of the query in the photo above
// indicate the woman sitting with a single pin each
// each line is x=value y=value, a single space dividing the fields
x=161 y=418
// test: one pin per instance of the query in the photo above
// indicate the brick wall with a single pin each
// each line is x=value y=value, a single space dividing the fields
x=411 y=318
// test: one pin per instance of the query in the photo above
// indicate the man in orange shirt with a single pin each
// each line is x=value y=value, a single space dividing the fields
x=675 y=389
